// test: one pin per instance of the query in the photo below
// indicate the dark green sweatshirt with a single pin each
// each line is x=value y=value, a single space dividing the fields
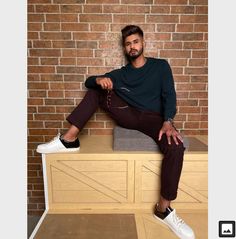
x=150 y=87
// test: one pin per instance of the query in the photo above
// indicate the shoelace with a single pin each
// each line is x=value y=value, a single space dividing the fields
x=177 y=220
x=56 y=137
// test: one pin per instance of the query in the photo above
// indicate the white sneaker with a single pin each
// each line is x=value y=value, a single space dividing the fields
x=176 y=224
x=58 y=145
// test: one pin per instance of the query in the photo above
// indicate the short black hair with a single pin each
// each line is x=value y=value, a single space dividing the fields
x=130 y=30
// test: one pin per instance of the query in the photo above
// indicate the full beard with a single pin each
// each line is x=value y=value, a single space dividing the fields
x=131 y=56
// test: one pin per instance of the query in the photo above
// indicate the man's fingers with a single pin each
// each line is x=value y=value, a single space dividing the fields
x=180 y=138
x=175 y=140
x=160 y=135
x=169 y=139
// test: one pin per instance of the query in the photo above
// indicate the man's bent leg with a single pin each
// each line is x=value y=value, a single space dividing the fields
x=78 y=118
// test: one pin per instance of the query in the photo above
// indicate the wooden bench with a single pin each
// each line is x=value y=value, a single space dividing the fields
x=99 y=179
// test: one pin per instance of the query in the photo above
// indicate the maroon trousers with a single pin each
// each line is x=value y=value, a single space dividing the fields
x=129 y=117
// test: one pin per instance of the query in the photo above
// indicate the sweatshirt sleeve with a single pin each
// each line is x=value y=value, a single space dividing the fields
x=168 y=92
x=91 y=80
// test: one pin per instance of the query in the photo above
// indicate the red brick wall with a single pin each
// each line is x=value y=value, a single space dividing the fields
x=69 y=40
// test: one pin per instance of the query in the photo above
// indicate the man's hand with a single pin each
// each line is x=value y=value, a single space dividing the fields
x=170 y=131
x=105 y=83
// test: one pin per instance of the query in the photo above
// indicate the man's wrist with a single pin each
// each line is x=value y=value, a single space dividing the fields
x=169 y=120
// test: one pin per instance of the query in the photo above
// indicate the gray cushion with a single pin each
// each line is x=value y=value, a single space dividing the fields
x=134 y=140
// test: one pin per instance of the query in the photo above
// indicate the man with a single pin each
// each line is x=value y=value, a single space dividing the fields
x=141 y=96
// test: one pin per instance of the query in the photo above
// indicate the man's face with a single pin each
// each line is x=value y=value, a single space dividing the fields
x=133 y=46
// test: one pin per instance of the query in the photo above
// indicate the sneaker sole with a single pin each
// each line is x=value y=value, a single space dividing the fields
x=171 y=228
x=58 y=151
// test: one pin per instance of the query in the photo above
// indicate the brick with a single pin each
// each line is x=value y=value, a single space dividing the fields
x=52 y=26
x=53 y=124
x=59 y=102
x=201 y=9
x=195 y=45
x=197 y=62
x=45 y=52
x=93 y=9
x=48 y=8
x=35 y=124
x=90 y=61
x=32 y=35
x=175 y=53
x=193 y=18
x=165 y=27
x=191 y=125
x=35 y=17
x=35 y=26
x=88 y=36
x=182 y=78
x=30 y=8
x=95 y=18
x=200 y=54
x=42 y=44
x=163 y=18
x=182 y=9
x=71 y=69
x=67 y=86
x=46 y=116
x=33 y=61
x=102 y=1
x=198 y=94
x=187 y=36
x=74 y=94
x=173 y=45
x=70 y=78
x=196 y=70
x=62 y=17
x=177 y=70
x=55 y=35
x=64 y=44
x=189 y=109
x=46 y=109
x=53 y=77
x=174 y=2
x=99 y=27
x=139 y=9
x=110 y=124
x=158 y=36
x=86 y=44
x=72 y=8
x=55 y=94
x=41 y=69
x=37 y=94
x=49 y=61
x=108 y=53
x=178 y=62
x=136 y=1
x=191 y=86
x=67 y=61
x=130 y=19
x=38 y=1
x=200 y=28
x=184 y=28
x=99 y=70
x=154 y=45
x=197 y=78
x=115 y=8
x=69 y=1
x=64 y=109
x=31 y=109
x=160 y=9
x=113 y=62
x=198 y=2
x=146 y=27
x=75 y=27
x=40 y=85
x=203 y=103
